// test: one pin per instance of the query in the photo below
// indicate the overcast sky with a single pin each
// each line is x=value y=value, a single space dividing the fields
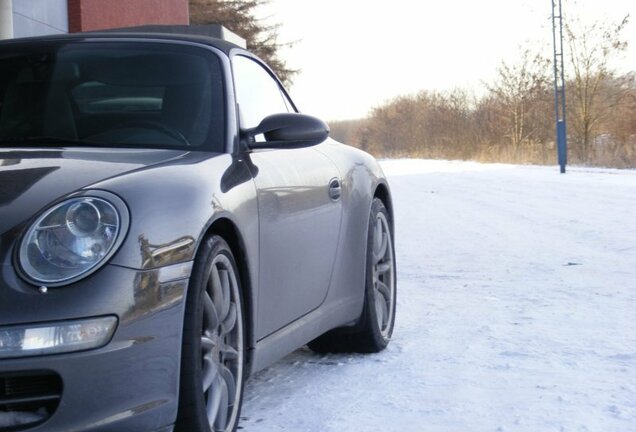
x=357 y=54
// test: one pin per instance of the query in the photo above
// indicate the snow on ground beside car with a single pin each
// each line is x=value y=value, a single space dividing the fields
x=516 y=312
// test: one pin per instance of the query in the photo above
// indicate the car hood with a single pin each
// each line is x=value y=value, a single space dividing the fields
x=30 y=179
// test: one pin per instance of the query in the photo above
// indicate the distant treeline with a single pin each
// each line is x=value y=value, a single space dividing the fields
x=514 y=120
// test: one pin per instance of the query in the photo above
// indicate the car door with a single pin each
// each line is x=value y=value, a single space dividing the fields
x=299 y=222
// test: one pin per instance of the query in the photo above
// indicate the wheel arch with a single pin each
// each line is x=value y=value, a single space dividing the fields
x=228 y=230
x=383 y=193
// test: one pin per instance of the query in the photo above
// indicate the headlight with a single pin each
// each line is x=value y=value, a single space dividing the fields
x=72 y=239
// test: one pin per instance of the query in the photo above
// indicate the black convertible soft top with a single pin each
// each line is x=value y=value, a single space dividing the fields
x=213 y=34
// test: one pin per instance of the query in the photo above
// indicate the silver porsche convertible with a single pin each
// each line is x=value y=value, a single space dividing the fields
x=170 y=224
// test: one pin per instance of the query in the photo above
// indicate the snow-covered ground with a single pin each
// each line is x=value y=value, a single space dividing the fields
x=516 y=312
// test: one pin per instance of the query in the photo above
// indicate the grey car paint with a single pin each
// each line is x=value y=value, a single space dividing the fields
x=302 y=257
x=299 y=227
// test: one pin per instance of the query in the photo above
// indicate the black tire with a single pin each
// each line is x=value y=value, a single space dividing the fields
x=372 y=332
x=214 y=256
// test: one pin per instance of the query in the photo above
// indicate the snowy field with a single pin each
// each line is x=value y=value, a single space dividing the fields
x=516 y=312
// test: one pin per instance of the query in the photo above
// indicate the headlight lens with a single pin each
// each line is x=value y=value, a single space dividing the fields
x=69 y=240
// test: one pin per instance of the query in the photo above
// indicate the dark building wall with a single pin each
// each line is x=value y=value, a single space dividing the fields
x=87 y=15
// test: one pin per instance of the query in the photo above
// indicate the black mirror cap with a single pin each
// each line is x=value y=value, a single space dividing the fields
x=289 y=130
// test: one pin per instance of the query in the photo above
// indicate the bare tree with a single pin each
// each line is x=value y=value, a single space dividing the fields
x=616 y=143
x=591 y=48
x=519 y=90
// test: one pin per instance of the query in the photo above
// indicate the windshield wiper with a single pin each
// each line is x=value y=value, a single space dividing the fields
x=42 y=141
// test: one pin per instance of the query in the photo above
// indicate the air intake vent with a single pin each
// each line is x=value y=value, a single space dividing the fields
x=28 y=399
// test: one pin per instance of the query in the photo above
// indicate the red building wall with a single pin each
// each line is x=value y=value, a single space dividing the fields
x=87 y=15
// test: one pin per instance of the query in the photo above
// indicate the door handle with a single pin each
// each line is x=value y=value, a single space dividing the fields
x=335 y=189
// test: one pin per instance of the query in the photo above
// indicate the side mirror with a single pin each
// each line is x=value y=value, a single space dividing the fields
x=287 y=130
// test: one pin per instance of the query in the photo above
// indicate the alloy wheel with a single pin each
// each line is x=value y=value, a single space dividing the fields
x=383 y=274
x=222 y=345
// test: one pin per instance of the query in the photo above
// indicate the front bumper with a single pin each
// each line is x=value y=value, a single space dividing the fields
x=131 y=384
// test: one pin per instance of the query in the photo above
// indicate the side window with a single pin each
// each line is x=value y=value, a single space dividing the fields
x=257 y=93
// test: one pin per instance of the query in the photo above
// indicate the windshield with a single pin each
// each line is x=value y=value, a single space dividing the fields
x=113 y=94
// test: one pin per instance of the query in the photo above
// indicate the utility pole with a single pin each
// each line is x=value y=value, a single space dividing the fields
x=559 y=85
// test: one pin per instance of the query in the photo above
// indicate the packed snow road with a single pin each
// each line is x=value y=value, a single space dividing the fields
x=516 y=312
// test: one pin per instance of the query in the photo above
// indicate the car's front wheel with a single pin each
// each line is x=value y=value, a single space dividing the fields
x=212 y=364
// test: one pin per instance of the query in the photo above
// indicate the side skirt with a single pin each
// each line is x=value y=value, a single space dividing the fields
x=293 y=336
